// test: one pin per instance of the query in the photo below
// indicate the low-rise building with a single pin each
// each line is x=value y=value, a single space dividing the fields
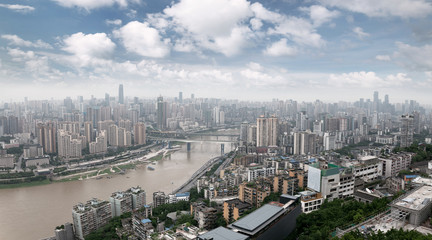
x=415 y=204
x=37 y=161
x=253 y=193
x=395 y=162
x=233 y=209
x=310 y=201
x=205 y=216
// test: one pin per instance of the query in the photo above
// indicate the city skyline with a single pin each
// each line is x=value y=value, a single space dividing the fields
x=260 y=50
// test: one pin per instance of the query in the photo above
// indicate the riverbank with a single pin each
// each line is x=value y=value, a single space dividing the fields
x=101 y=171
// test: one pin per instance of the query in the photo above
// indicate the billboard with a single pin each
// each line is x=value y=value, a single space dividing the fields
x=314 y=179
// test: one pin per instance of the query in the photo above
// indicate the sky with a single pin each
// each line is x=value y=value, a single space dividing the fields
x=231 y=49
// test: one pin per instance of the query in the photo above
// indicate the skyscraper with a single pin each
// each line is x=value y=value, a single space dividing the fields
x=407 y=130
x=47 y=137
x=161 y=113
x=267 y=129
x=140 y=133
x=121 y=96
x=180 y=97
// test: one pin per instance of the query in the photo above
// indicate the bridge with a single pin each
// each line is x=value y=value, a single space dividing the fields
x=191 y=140
x=175 y=134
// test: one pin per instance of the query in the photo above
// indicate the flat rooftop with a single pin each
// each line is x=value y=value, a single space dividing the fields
x=416 y=200
x=255 y=221
x=222 y=233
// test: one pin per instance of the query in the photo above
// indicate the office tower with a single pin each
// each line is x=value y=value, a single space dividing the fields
x=47 y=137
x=267 y=131
x=67 y=102
x=376 y=102
x=162 y=112
x=180 y=97
x=140 y=133
x=107 y=99
x=90 y=216
x=192 y=96
x=407 y=130
x=120 y=95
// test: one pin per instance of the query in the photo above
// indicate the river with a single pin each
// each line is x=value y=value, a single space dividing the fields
x=33 y=212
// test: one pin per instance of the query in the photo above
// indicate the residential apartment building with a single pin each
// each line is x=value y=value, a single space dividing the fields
x=90 y=216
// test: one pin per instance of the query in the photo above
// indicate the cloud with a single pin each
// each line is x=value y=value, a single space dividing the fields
x=18 y=8
x=383 y=57
x=89 y=48
x=299 y=31
x=17 y=41
x=202 y=21
x=320 y=14
x=384 y=8
x=143 y=40
x=113 y=22
x=93 y=4
x=366 y=80
x=360 y=33
x=412 y=57
x=280 y=48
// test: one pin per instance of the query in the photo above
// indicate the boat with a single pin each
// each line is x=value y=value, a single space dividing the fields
x=150 y=168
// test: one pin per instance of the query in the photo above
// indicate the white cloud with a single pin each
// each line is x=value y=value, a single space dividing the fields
x=418 y=58
x=383 y=57
x=17 y=41
x=93 y=4
x=360 y=33
x=255 y=66
x=320 y=14
x=366 y=80
x=113 y=22
x=385 y=8
x=300 y=31
x=142 y=39
x=18 y=8
x=216 y=25
x=280 y=48
x=19 y=55
x=89 y=48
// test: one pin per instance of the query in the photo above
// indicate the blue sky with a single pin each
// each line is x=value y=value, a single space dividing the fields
x=254 y=50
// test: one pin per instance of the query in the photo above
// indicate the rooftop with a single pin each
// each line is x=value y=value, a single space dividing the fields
x=258 y=219
x=416 y=200
x=222 y=233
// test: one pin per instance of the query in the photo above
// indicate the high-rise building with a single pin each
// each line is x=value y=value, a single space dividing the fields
x=90 y=216
x=121 y=96
x=267 y=131
x=159 y=198
x=244 y=131
x=88 y=131
x=138 y=197
x=121 y=202
x=407 y=130
x=67 y=146
x=140 y=133
x=162 y=113
x=46 y=133
x=180 y=98
x=107 y=99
